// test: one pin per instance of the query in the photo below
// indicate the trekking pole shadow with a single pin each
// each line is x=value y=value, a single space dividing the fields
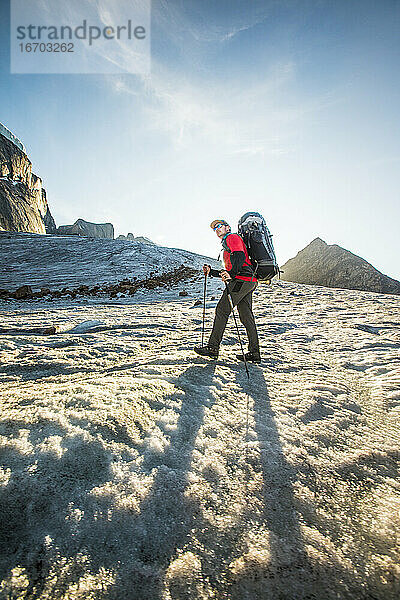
x=287 y=571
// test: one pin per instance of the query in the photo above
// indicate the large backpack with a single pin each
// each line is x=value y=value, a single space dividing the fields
x=258 y=239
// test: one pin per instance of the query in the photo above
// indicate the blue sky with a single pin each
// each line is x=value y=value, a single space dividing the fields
x=290 y=108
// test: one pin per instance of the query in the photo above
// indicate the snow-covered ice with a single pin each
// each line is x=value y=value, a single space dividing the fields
x=133 y=469
x=57 y=261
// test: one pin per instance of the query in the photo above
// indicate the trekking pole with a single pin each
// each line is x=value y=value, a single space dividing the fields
x=204 y=308
x=237 y=330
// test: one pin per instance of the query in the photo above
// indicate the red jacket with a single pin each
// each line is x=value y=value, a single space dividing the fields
x=236 y=260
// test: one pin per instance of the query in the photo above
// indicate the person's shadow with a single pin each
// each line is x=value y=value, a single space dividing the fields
x=167 y=517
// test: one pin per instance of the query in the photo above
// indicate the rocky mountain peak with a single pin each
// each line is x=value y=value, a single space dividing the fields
x=317 y=242
x=333 y=266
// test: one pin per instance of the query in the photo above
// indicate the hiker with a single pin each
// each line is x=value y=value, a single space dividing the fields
x=241 y=283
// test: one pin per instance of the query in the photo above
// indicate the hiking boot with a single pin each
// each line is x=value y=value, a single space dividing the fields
x=250 y=357
x=207 y=351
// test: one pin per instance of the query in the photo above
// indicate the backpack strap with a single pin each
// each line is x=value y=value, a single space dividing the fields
x=225 y=244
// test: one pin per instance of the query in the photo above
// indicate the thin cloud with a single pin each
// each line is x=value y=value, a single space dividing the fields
x=229 y=117
x=188 y=22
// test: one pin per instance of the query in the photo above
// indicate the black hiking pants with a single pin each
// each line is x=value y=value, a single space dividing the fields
x=242 y=296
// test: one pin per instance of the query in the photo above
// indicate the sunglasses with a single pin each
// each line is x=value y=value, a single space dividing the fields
x=218 y=226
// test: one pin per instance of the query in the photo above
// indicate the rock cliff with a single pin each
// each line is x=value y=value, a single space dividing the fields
x=333 y=266
x=87 y=229
x=23 y=201
x=132 y=238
